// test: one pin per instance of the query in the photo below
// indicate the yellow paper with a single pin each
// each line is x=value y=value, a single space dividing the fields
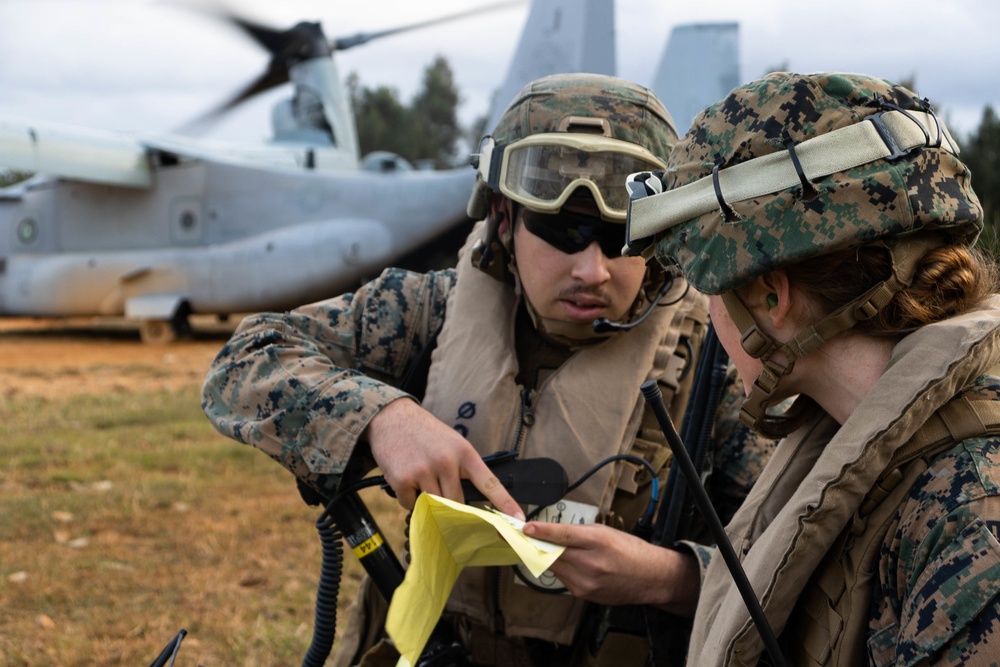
x=446 y=536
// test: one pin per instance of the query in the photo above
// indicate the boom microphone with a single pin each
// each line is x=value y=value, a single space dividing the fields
x=604 y=325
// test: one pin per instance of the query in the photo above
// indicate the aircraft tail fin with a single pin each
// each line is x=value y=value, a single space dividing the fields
x=559 y=36
x=699 y=66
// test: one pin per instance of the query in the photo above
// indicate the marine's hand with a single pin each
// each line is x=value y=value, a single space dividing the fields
x=609 y=566
x=418 y=452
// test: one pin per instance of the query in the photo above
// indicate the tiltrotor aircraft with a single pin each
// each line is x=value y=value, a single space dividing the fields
x=157 y=229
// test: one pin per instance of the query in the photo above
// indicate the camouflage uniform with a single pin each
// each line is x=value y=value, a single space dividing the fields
x=864 y=540
x=937 y=593
x=303 y=386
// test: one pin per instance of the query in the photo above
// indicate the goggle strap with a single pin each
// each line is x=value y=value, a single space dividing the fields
x=888 y=135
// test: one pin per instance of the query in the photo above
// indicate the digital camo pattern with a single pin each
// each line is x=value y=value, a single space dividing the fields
x=929 y=190
x=635 y=114
x=939 y=569
x=303 y=386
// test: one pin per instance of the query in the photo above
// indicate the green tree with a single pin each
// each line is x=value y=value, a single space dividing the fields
x=12 y=176
x=981 y=153
x=434 y=111
x=383 y=122
x=426 y=129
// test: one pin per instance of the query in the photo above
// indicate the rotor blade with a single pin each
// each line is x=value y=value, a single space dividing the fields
x=342 y=43
x=272 y=39
x=274 y=76
x=301 y=42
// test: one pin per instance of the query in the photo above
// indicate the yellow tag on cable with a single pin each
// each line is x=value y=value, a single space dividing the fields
x=445 y=537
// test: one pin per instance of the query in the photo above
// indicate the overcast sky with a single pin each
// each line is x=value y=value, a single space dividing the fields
x=143 y=66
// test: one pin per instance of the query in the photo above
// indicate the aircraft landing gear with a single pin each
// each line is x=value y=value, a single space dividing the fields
x=157 y=332
x=164 y=332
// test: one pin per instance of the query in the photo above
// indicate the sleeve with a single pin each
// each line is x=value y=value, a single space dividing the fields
x=303 y=385
x=704 y=554
x=939 y=596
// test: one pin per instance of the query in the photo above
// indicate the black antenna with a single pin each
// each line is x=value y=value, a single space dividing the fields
x=651 y=392
x=169 y=651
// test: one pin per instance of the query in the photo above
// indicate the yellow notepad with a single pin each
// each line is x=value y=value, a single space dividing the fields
x=446 y=536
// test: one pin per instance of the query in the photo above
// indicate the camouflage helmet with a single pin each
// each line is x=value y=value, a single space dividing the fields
x=741 y=230
x=563 y=136
x=571 y=105
x=792 y=167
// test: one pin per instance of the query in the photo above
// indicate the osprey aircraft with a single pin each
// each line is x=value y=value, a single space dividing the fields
x=158 y=228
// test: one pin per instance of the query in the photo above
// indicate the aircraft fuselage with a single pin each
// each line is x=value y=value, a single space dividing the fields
x=223 y=237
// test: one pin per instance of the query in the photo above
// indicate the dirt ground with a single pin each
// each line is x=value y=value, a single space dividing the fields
x=53 y=357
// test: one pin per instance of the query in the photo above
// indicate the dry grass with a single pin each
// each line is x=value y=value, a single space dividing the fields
x=124 y=517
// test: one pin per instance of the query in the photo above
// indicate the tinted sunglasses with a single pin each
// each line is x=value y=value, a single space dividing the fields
x=571 y=232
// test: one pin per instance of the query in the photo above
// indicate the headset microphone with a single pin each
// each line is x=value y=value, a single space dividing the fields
x=604 y=325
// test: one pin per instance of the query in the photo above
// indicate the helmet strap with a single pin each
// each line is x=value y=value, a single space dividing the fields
x=570 y=334
x=494 y=251
x=904 y=256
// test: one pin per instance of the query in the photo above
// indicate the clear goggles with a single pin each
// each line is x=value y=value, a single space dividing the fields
x=543 y=170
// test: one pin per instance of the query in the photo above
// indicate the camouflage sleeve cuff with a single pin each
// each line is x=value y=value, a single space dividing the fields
x=307 y=413
x=702 y=553
x=335 y=423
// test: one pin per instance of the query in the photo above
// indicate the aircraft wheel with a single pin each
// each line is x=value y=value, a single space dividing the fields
x=157 y=332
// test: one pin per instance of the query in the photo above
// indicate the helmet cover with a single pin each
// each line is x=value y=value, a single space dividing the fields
x=629 y=112
x=634 y=113
x=926 y=190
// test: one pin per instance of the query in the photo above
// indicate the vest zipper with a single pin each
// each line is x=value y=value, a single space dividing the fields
x=525 y=420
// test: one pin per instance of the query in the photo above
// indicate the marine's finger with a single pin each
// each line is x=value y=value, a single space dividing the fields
x=405 y=495
x=487 y=483
x=568 y=535
x=451 y=488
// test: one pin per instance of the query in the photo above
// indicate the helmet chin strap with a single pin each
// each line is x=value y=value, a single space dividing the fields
x=904 y=256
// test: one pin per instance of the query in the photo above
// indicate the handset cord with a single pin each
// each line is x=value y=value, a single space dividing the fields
x=647 y=517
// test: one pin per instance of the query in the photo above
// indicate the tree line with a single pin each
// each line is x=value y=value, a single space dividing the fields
x=426 y=129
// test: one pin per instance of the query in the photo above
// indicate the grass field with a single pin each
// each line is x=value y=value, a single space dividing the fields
x=125 y=517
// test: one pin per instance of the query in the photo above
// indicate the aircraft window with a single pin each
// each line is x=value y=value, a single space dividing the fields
x=27 y=230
